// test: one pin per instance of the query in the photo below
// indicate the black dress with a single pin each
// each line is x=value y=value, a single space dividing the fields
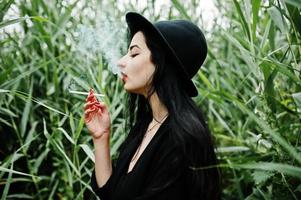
x=159 y=173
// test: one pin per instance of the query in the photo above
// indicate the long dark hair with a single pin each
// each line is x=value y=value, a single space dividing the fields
x=185 y=119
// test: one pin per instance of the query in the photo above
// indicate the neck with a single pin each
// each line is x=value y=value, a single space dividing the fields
x=158 y=109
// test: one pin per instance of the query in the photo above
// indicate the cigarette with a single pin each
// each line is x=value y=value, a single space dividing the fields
x=85 y=93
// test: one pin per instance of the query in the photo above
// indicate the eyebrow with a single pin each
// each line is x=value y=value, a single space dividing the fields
x=135 y=45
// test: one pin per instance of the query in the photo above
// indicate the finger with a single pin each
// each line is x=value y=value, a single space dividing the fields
x=91 y=91
x=96 y=107
x=103 y=106
x=87 y=118
x=95 y=104
x=91 y=113
x=91 y=96
x=91 y=99
x=91 y=104
x=91 y=110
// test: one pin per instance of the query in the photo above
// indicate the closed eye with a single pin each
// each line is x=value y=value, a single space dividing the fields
x=134 y=55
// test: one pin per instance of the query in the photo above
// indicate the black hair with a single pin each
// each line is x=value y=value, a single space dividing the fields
x=186 y=120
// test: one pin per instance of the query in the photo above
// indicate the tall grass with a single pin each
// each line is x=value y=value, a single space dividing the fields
x=249 y=88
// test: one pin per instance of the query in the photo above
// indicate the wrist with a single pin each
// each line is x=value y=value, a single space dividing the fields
x=103 y=138
x=101 y=145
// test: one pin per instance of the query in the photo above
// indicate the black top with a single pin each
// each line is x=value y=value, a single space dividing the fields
x=159 y=173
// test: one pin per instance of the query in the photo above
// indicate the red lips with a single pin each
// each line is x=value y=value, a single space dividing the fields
x=124 y=76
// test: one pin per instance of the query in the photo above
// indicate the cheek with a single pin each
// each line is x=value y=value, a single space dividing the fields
x=140 y=73
x=140 y=77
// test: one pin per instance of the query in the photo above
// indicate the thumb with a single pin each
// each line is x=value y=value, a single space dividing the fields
x=103 y=106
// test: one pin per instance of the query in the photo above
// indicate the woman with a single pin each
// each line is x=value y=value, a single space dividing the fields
x=168 y=153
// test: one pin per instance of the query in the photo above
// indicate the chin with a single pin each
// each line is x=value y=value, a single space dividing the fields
x=132 y=90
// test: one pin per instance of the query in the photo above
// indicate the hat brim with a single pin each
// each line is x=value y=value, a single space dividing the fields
x=137 y=22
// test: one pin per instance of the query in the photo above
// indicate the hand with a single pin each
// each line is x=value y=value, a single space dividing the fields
x=97 y=117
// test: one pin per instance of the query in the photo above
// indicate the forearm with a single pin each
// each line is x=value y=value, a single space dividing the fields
x=103 y=163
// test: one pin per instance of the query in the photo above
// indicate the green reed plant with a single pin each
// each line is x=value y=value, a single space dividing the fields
x=249 y=89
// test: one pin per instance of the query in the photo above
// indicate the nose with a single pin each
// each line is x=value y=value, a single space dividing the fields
x=121 y=62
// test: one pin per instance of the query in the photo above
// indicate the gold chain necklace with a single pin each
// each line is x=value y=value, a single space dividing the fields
x=158 y=122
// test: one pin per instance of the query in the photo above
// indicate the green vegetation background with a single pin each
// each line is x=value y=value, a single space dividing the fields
x=249 y=88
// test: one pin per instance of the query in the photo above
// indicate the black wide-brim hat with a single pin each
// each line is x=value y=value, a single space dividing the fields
x=184 y=41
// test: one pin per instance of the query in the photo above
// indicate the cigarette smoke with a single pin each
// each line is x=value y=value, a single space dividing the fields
x=107 y=38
